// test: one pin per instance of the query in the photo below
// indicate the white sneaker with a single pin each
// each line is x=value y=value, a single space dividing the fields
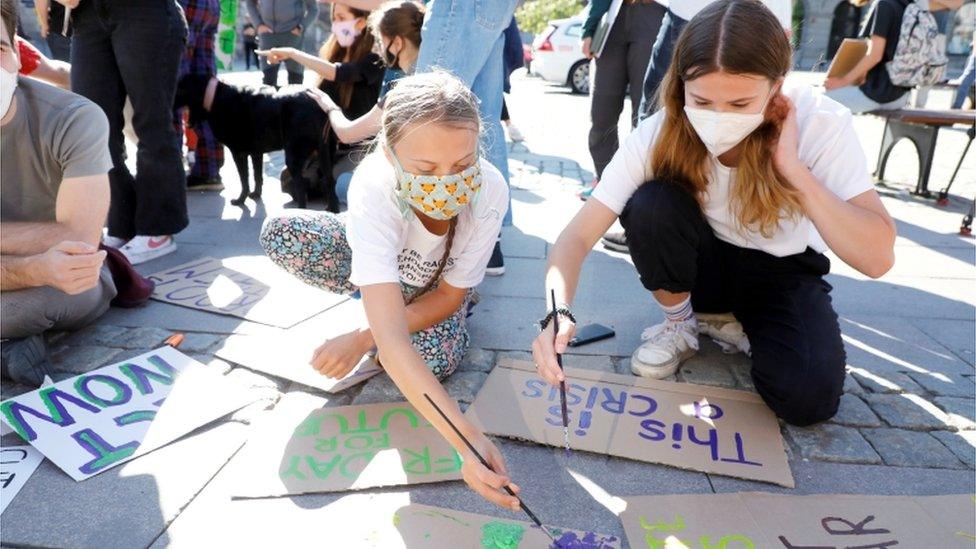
x=113 y=241
x=144 y=248
x=725 y=330
x=666 y=346
x=513 y=133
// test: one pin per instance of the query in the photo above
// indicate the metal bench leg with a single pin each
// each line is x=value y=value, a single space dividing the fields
x=967 y=221
x=923 y=137
x=944 y=193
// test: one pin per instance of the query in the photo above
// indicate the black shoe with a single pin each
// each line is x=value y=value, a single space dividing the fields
x=616 y=241
x=496 y=265
x=24 y=360
x=197 y=183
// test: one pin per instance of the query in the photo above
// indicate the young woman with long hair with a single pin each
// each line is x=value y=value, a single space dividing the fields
x=729 y=196
x=424 y=213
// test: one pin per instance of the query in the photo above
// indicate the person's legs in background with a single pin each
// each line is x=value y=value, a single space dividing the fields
x=280 y=40
x=295 y=70
x=95 y=75
x=479 y=25
x=643 y=26
x=513 y=132
x=60 y=46
x=149 y=45
x=964 y=85
x=608 y=88
x=854 y=99
x=659 y=62
x=267 y=41
x=202 y=17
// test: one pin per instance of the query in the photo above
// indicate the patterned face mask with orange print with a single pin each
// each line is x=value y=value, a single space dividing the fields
x=436 y=196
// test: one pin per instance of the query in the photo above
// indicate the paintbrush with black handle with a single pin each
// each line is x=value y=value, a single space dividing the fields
x=485 y=463
x=559 y=361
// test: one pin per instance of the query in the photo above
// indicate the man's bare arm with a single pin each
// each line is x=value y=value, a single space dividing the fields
x=81 y=207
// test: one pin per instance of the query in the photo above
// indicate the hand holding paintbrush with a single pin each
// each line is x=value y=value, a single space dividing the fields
x=559 y=361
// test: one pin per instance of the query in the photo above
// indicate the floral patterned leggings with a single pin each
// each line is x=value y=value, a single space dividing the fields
x=313 y=246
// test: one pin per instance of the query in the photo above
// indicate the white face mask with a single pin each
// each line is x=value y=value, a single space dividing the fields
x=8 y=83
x=720 y=131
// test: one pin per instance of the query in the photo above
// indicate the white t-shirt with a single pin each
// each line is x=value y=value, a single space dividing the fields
x=686 y=9
x=386 y=248
x=828 y=146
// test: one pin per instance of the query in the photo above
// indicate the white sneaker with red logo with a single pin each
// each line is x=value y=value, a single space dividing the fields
x=144 y=248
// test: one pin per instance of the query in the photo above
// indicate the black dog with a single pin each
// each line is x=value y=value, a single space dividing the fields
x=254 y=120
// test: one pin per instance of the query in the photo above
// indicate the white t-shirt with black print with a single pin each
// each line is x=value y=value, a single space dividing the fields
x=388 y=248
x=828 y=146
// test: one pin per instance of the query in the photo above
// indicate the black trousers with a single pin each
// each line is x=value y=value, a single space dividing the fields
x=783 y=303
x=619 y=74
x=129 y=49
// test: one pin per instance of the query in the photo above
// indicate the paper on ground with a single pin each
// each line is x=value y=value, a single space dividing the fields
x=822 y=521
x=695 y=427
x=287 y=355
x=249 y=287
x=302 y=447
x=426 y=526
x=17 y=464
x=95 y=421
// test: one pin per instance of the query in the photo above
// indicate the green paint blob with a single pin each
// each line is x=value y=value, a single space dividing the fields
x=501 y=535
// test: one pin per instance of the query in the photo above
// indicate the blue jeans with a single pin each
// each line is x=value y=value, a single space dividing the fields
x=667 y=35
x=854 y=99
x=465 y=38
x=965 y=82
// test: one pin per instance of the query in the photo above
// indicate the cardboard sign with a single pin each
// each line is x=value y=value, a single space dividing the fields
x=287 y=356
x=249 y=287
x=748 y=520
x=848 y=55
x=302 y=448
x=95 y=421
x=426 y=526
x=695 y=427
x=17 y=464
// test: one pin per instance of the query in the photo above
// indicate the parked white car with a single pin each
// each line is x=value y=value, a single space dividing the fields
x=557 y=54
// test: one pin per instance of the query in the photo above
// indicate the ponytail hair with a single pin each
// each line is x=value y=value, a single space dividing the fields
x=402 y=18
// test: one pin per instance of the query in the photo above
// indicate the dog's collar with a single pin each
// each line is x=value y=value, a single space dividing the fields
x=208 y=96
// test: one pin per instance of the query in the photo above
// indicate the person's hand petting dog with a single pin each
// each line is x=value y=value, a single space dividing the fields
x=338 y=356
x=324 y=101
x=276 y=55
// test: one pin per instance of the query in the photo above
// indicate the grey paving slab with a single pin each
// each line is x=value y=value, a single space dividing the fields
x=829 y=442
x=853 y=412
x=887 y=344
x=885 y=383
x=523 y=278
x=819 y=477
x=910 y=448
x=379 y=388
x=477 y=360
x=961 y=411
x=128 y=506
x=852 y=386
x=505 y=323
x=908 y=412
x=709 y=367
x=950 y=299
x=463 y=386
x=961 y=443
x=83 y=358
x=959 y=336
x=178 y=318
x=946 y=385
x=196 y=342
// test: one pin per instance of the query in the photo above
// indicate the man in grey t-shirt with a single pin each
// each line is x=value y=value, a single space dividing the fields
x=54 y=164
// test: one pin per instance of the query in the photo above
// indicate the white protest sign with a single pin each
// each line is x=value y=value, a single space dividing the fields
x=17 y=464
x=249 y=287
x=95 y=421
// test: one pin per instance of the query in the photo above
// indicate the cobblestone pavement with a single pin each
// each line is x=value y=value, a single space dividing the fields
x=906 y=423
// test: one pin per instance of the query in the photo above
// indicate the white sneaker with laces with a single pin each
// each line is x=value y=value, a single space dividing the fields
x=666 y=346
x=725 y=330
x=113 y=241
x=144 y=248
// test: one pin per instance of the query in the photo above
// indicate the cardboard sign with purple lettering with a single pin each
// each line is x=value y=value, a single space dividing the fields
x=95 y=421
x=695 y=427
x=249 y=287
x=426 y=526
x=749 y=520
x=17 y=464
x=287 y=356
x=302 y=447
